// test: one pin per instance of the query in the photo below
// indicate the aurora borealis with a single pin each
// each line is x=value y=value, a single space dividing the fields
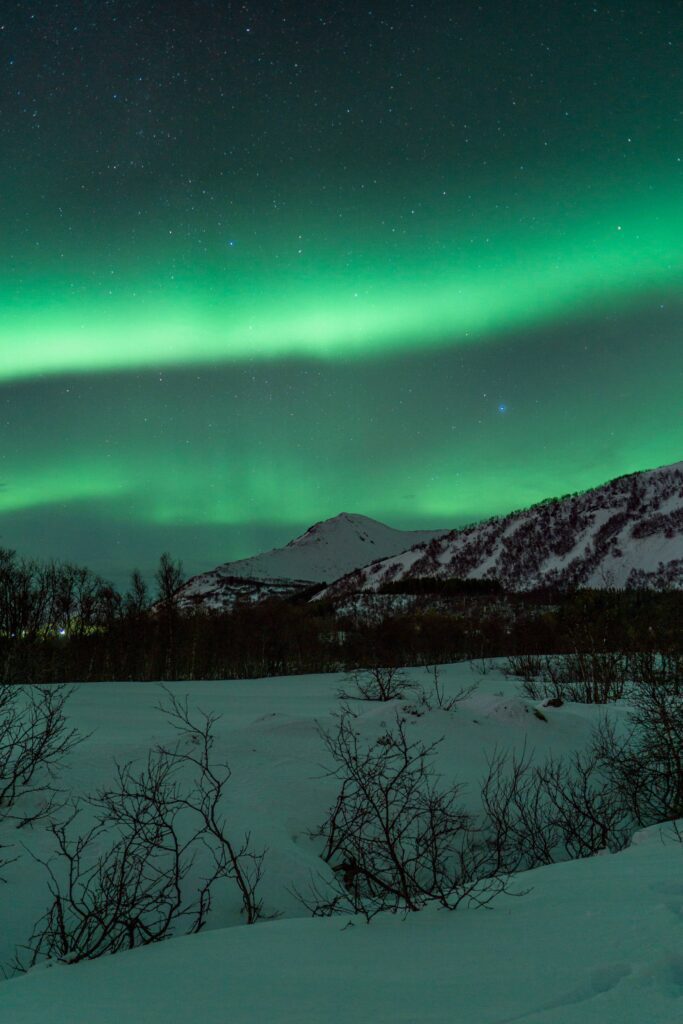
x=263 y=263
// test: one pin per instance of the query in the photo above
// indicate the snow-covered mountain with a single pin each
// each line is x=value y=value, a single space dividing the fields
x=323 y=553
x=625 y=533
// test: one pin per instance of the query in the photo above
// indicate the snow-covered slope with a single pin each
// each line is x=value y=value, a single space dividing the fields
x=327 y=550
x=628 y=532
x=596 y=940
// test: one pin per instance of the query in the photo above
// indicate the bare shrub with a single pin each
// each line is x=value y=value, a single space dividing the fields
x=588 y=677
x=119 y=883
x=583 y=805
x=237 y=862
x=677 y=831
x=380 y=683
x=592 y=677
x=516 y=815
x=647 y=766
x=35 y=737
x=528 y=667
x=434 y=698
x=395 y=838
x=482 y=665
x=562 y=808
x=657 y=669
x=541 y=676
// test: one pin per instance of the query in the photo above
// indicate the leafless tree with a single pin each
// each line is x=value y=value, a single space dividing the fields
x=169 y=579
x=136 y=601
x=27 y=596
x=39 y=600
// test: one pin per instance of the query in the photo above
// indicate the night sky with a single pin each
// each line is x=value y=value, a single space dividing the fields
x=262 y=263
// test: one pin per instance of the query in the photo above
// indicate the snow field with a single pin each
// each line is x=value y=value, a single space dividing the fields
x=593 y=940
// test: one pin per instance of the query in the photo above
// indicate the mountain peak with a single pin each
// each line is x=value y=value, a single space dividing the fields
x=343 y=523
x=324 y=552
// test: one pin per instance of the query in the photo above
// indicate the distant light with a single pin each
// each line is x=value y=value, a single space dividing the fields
x=502 y=407
x=62 y=632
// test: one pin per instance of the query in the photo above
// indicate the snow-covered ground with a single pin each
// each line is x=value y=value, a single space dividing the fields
x=598 y=940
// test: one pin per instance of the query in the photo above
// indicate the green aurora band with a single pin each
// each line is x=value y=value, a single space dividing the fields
x=435 y=292
x=219 y=463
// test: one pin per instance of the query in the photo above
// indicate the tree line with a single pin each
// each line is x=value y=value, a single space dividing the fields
x=63 y=623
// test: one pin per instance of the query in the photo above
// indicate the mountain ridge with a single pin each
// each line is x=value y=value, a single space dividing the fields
x=627 y=532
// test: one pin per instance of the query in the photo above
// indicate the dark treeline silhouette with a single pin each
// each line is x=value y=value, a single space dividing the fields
x=60 y=622
x=443 y=587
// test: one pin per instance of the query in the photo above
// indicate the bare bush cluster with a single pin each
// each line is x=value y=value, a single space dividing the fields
x=587 y=677
x=647 y=766
x=396 y=837
x=562 y=808
x=528 y=667
x=599 y=677
x=388 y=683
x=237 y=862
x=137 y=861
x=122 y=880
x=119 y=882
